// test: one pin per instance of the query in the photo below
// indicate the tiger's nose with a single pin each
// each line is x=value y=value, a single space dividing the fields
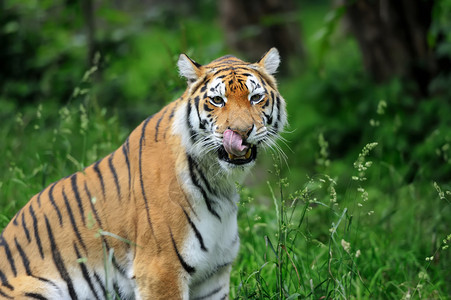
x=245 y=132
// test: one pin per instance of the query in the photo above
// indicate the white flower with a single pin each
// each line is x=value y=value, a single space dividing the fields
x=346 y=246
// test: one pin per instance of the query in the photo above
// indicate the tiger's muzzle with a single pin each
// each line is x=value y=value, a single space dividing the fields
x=235 y=150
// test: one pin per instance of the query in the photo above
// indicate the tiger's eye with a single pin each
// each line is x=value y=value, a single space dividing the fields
x=256 y=98
x=217 y=100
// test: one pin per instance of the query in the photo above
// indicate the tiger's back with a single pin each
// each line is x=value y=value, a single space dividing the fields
x=157 y=218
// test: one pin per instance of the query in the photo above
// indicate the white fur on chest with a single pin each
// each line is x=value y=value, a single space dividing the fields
x=212 y=241
x=221 y=241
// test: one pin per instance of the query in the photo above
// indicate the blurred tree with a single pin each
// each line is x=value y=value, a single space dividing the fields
x=89 y=16
x=254 y=26
x=41 y=50
x=393 y=37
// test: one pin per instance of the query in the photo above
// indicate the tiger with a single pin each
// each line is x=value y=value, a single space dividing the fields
x=157 y=218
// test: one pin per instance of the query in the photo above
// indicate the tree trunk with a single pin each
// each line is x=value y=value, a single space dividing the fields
x=254 y=26
x=392 y=36
x=89 y=16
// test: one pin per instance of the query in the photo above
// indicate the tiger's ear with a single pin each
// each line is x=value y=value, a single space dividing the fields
x=270 y=61
x=188 y=68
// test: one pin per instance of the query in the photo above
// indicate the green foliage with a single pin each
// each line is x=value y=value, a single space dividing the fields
x=136 y=52
x=52 y=142
x=42 y=60
x=316 y=243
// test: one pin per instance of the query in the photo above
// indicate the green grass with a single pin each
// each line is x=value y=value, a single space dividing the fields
x=316 y=243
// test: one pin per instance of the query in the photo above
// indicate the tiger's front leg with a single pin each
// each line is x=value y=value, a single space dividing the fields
x=215 y=286
x=160 y=279
x=158 y=270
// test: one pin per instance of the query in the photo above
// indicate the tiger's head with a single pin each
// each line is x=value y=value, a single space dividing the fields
x=233 y=108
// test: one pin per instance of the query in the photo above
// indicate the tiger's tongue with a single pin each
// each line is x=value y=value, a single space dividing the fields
x=233 y=143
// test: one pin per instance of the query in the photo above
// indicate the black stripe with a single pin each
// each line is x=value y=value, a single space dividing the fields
x=36 y=231
x=227 y=67
x=58 y=261
x=276 y=125
x=73 y=180
x=142 y=141
x=116 y=290
x=52 y=200
x=207 y=108
x=225 y=296
x=25 y=229
x=196 y=103
x=5 y=295
x=94 y=210
x=231 y=63
x=278 y=108
x=85 y=273
x=222 y=70
x=104 y=241
x=118 y=267
x=268 y=119
x=224 y=58
x=185 y=266
x=113 y=171
x=207 y=296
x=192 y=133
x=72 y=220
x=266 y=82
x=272 y=109
x=23 y=256
x=157 y=126
x=126 y=150
x=203 y=178
x=215 y=270
x=242 y=84
x=193 y=62
x=261 y=79
x=100 y=176
x=203 y=192
x=39 y=198
x=9 y=256
x=196 y=232
x=35 y=296
x=190 y=206
x=272 y=97
x=5 y=282
x=107 y=247
x=266 y=104
x=15 y=218
x=171 y=115
x=46 y=281
x=101 y=284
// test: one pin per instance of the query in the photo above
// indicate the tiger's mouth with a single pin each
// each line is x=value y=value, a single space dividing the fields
x=235 y=150
x=249 y=156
